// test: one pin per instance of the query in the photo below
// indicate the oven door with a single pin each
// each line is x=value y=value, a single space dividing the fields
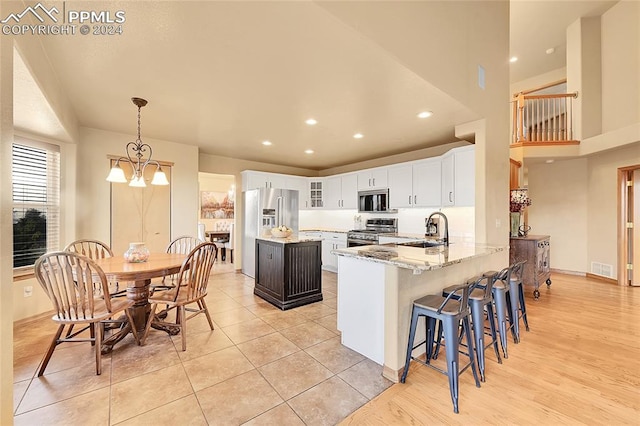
x=354 y=242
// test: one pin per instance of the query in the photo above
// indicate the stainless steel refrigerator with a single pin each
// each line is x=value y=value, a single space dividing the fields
x=265 y=208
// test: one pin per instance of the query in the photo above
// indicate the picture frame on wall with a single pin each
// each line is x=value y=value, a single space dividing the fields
x=216 y=205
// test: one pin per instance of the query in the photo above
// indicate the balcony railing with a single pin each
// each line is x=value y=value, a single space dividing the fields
x=543 y=119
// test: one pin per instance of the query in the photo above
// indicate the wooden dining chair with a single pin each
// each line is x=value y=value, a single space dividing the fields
x=95 y=249
x=190 y=289
x=181 y=245
x=69 y=280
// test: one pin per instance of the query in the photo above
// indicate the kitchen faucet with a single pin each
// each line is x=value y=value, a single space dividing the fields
x=429 y=226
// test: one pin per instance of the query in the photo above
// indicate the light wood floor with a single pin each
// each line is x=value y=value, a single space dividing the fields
x=579 y=364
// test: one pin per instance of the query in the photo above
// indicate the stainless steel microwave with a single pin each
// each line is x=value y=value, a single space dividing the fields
x=375 y=201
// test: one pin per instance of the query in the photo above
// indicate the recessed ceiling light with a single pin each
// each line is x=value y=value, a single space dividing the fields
x=513 y=59
x=550 y=161
x=266 y=143
x=425 y=114
x=550 y=50
x=311 y=121
x=358 y=136
x=309 y=151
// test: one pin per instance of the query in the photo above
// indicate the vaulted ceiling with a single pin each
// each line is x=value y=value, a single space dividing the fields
x=226 y=76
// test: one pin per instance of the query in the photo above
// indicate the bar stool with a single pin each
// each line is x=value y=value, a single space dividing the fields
x=502 y=303
x=481 y=297
x=451 y=313
x=516 y=293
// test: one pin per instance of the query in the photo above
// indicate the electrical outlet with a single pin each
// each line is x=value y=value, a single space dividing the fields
x=28 y=291
x=498 y=223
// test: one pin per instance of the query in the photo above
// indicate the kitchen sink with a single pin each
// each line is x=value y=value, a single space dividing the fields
x=422 y=244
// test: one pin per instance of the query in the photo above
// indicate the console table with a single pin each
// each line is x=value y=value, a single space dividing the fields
x=535 y=249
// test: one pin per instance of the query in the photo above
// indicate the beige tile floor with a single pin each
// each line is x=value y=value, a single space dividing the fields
x=260 y=366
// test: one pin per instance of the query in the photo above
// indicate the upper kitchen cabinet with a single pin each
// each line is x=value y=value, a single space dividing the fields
x=415 y=185
x=316 y=193
x=255 y=180
x=372 y=179
x=341 y=192
x=301 y=184
x=458 y=177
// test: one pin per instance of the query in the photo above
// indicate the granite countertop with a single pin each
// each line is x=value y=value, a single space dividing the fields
x=419 y=259
x=292 y=239
x=341 y=231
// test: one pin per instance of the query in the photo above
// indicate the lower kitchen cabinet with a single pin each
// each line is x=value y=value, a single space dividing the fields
x=332 y=241
x=535 y=249
x=288 y=274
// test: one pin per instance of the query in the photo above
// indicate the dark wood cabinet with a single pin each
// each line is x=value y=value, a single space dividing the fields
x=535 y=249
x=288 y=274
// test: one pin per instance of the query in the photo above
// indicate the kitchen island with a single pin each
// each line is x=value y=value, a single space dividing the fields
x=377 y=285
x=288 y=270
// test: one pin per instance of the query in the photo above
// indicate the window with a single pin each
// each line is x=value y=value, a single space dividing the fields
x=36 y=201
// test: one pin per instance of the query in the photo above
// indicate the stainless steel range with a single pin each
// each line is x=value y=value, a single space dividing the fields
x=369 y=235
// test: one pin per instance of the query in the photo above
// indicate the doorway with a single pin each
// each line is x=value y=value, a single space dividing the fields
x=217 y=211
x=629 y=226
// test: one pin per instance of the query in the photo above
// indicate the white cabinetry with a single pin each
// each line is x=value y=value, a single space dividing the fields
x=316 y=193
x=426 y=183
x=372 y=179
x=341 y=192
x=301 y=184
x=415 y=185
x=332 y=241
x=255 y=180
x=458 y=177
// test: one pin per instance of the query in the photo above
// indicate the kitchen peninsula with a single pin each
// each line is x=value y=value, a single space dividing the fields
x=377 y=286
x=288 y=270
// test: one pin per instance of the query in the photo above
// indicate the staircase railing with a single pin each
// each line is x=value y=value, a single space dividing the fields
x=542 y=119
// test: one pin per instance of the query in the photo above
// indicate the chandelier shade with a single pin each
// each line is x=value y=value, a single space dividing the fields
x=135 y=151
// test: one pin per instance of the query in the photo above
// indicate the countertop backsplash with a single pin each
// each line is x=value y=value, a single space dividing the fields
x=410 y=221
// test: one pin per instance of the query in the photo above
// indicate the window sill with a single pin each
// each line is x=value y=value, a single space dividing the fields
x=23 y=274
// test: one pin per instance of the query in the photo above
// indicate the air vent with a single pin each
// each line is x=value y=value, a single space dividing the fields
x=602 y=269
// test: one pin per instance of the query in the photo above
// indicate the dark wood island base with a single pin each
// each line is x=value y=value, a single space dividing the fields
x=288 y=271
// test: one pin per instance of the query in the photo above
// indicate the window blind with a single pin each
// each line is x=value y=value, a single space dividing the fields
x=36 y=201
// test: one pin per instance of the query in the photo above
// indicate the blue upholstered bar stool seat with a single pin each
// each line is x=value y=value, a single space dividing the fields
x=451 y=313
x=481 y=297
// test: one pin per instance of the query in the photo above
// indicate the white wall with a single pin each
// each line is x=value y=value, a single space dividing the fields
x=559 y=208
x=6 y=229
x=621 y=66
x=603 y=203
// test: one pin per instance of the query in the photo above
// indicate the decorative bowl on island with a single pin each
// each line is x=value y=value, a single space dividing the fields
x=281 y=232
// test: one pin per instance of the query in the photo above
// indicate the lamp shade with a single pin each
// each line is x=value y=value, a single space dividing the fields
x=138 y=182
x=159 y=178
x=116 y=175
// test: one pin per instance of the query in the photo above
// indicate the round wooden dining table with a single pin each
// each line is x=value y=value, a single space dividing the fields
x=137 y=277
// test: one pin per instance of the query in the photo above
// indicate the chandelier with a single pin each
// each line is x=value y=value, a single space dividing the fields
x=136 y=149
